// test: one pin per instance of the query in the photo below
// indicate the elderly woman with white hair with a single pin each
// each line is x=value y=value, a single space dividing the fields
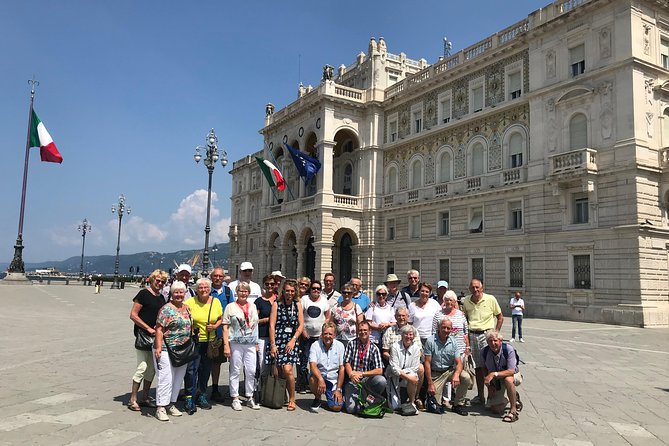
x=403 y=369
x=173 y=328
x=207 y=313
x=450 y=310
x=381 y=315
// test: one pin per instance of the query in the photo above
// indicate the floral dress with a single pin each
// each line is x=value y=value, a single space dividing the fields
x=287 y=321
x=176 y=325
x=346 y=321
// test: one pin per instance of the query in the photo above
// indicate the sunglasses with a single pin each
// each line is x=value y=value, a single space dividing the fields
x=381 y=294
x=269 y=283
x=347 y=292
x=315 y=289
x=160 y=280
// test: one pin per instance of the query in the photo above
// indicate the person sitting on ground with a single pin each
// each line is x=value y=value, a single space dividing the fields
x=443 y=363
x=362 y=362
x=501 y=374
x=404 y=364
x=326 y=369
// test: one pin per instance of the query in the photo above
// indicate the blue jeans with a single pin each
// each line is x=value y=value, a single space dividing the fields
x=197 y=373
x=517 y=319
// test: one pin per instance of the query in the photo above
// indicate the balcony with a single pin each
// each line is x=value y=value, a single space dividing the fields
x=514 y=176
x=574 y=163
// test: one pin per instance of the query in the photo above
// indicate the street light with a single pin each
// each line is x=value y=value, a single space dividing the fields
x=120 y=209
x=84 y=227
x=214 y=250
x=210 y=163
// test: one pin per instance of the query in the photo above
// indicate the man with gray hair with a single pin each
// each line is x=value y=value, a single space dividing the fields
x=501 y=374
x=443 y=363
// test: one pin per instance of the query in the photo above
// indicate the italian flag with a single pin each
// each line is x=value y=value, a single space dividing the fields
x=39 y=137
x=273 y=175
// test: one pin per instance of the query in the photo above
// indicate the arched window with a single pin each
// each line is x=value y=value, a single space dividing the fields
x=665 y=128
x=445 y=167
x=578 y=132
x=416 y=175
x=348 y=182
x=391 y=187
x=477 y=159
x=516 y=150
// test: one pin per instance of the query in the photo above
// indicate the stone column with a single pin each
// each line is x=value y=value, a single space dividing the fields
x=325 y=175
x=324 y=257
x=299 y=270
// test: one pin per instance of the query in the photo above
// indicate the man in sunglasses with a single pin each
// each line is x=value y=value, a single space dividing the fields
x=329 y=291
x=359 y=297
x=245 y=274
x=413 y=288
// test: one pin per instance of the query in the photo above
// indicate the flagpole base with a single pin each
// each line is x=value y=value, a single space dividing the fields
x=17 y=265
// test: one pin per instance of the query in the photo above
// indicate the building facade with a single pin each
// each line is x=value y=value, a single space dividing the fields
x=536 y=160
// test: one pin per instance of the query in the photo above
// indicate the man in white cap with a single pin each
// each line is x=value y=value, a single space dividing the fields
x=278 y=280
x=245 y=274
x=442 y=287
x=184 y=272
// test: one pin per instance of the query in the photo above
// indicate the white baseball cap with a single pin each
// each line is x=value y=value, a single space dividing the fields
x=245 y=266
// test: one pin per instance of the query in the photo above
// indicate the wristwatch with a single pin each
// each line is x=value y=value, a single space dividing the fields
x=338 y=389
x=496 y=374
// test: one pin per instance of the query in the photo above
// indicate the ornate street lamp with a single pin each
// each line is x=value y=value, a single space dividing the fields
x=214 y=250
x=210 y=163
x=84 y=227
x=120 y=209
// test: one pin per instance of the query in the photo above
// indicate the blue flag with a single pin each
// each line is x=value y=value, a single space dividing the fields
x=306 y=165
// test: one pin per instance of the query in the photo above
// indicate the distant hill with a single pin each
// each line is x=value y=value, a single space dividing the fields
x=146 y=261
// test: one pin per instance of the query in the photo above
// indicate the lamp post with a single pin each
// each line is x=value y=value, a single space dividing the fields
x=210 y=163
x=120 y=209
x=214 y=250
x=84 y=227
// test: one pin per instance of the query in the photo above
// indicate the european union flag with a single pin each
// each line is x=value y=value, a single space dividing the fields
x=306 y=165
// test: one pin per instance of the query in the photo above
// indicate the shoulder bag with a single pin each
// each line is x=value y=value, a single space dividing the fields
x=213 y=345
x=186 y=352
x=273 y=390
x=143 y=340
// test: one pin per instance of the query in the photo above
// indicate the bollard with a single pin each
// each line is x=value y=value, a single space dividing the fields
x=122 y=285
x=48 y=281
x=67 y=281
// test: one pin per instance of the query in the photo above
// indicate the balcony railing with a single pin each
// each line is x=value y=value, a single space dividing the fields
x=440 y=190
x=412 y=196
x=581 y=160
x=346 y=200
x=388 y=200
x=473 y=184
x=514 y=175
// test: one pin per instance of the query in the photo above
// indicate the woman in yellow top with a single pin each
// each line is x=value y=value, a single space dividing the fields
x=206 y=312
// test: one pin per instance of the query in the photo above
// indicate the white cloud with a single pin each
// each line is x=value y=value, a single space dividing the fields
x=188 y=221
x=142 y=231
x=193 y=208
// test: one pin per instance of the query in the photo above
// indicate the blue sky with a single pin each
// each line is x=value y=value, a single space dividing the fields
x=129 y=88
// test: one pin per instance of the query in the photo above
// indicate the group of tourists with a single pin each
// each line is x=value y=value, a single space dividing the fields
x=406 y=349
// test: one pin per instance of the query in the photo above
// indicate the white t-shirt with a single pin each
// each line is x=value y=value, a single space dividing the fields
x=379 y=315
x=517 y=310
x=421 y=318
x=314 y=315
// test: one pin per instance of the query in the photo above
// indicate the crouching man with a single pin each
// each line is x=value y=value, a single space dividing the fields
x=362 y=362
x=326 y=369
x=501 y=374
x=443 y=363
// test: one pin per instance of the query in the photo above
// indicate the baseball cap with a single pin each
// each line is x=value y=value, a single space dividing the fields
x=245 y=265
x=442 y=283
x=184 y=267
x=278 y=273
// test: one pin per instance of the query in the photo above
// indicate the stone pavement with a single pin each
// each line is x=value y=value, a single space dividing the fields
x=67 y=358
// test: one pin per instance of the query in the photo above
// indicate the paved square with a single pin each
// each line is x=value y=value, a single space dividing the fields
x=67 y=358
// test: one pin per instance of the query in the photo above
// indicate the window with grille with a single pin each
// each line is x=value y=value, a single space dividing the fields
x=477 y=269
x=582 y=271
x=390 y=267
x=516 y=272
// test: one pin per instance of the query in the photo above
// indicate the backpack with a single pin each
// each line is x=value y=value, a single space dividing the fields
x=371 y=405
x=505 y=352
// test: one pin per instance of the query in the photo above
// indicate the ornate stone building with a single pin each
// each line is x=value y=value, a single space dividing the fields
x=536 y=160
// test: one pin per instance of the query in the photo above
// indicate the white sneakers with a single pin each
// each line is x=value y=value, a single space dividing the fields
x=161 y=414
x=512 y=340
x=236 y=405
x=252 y=404
x=522 y=340
x=173 y=411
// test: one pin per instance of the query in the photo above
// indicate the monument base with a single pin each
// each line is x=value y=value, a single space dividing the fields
x=16 y=279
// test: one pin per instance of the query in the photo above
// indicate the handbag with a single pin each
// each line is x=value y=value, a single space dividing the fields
x=143 y=340
x=470 y=368
x=187 y=352
x=274 y=390
x=432 y=406
x=213 y=345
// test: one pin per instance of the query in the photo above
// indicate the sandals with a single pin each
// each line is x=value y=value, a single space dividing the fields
x=291 y=406
x=510 y=417
x=132 y=405
x=149 y=402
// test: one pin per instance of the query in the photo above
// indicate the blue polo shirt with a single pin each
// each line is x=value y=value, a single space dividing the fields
x=225 y=296
x=362 y=299
x=443 y=353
